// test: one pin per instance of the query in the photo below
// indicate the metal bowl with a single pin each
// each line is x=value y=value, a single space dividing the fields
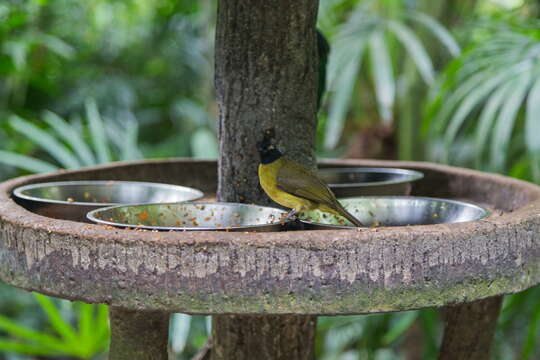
x=72 y=200
x=192 y=216
x=397 y=211
x=346 y=182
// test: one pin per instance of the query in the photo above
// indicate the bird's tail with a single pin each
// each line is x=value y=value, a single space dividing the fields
x=347 y=215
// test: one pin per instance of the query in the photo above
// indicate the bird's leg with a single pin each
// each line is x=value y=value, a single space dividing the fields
x=291 y=215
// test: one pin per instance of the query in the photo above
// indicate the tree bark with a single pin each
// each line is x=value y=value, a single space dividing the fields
x=266 y=77
x=141 y=335
x=264 y=337
x=469 y=330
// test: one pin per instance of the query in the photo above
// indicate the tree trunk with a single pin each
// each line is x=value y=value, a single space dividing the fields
x=264 y=337
x=266 y=76
x=141 y=335
x=469 y=329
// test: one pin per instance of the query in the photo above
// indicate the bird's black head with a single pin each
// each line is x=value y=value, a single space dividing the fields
x=268 y=151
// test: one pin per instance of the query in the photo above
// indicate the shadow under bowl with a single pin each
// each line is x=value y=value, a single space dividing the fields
x=201 y=216
x=72 y=200
x=346 y=182
x=397 y=211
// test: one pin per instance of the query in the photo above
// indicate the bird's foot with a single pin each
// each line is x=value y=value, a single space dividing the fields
x=292 y=216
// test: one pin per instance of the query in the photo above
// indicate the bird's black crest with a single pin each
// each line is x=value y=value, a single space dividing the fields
x=268 y=152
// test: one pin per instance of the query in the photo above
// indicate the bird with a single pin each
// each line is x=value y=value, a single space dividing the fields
x=294 y=186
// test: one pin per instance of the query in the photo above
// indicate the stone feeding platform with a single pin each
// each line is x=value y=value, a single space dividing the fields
x=320 y=272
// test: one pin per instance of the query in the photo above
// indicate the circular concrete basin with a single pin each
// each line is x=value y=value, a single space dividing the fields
x=301 y=272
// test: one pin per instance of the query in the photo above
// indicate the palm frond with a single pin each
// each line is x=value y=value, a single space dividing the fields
x=71 y=136
x=378 y=32
x=47 y=142
x=438 y=30
x=415 y=49
x=97 y=130
x=486 y=91
x=383 y=75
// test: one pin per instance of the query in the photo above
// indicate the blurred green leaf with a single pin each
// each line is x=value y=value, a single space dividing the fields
x=438 y=30
x=469 y=103
x=128 y=143
x=56 y=45
x=532 y=127
x=340 y=99
x=46 y=342
x=62 y=328
x=8 y=346
x=506 y=119
x=204 y=144
x=415 y=49
x=26 y=163
x=97 y=130
x=532 y=334
x=383 y=77
x=487 y=118
x=400 y=324
x=71 y=136
x=180 y=325
x=17 y=50
x=86 y=324
x=46 y=141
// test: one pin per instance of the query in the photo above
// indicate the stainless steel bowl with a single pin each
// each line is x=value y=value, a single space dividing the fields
x=397 y=211
x=192 y=216
x=72 y=200
x=346 y=182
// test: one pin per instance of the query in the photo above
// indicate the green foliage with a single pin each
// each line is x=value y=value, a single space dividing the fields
x=138 y=59
x=148 y=65
x=367 y=336
x=67 y=147
x=379 y=35
x=88 y=338
x=489 y=96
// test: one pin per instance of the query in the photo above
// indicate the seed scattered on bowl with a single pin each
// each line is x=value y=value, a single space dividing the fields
x=143 y=216
x=70 y=199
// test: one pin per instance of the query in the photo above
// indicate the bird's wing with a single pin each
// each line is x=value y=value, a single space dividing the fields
x=300 y=181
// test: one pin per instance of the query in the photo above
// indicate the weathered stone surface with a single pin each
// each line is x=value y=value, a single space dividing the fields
x=301 y=272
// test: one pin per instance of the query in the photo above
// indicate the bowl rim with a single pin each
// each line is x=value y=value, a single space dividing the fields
x=18 y=191
x=408 y=175
x=485 y=211
x=91 y=215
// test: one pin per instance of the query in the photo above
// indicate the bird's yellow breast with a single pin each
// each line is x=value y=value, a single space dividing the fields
x=268 y=178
